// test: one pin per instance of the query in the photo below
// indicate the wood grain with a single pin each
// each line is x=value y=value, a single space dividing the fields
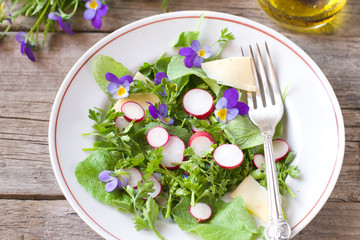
x=31 y=202
x=57 y=220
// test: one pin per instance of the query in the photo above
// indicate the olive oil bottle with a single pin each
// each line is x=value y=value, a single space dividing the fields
x=302 y=14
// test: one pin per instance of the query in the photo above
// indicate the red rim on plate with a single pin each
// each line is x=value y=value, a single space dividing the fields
x=168 y=17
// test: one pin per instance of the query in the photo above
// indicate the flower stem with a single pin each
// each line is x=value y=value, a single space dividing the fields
x=38 y=21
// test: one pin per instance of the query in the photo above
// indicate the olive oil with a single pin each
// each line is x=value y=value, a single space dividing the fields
x=302 y=14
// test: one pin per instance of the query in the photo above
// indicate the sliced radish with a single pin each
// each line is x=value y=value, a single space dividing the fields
x=134 y=177
x=281 y=148
x=173 y=152
x=195 y=129
x=201 y=211
x=121 y=123
x=132 y=110
x=259 y=161
x=201 y=142
x=228 y=156
x=198 y=103
x=157 y=187
x=157 y=137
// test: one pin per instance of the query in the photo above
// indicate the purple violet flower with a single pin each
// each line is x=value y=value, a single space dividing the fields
x=162 y=113
x=25 y=46
x=158 y=79
x=195 y=55
x=63 y=23
x=94 y=12
x=112 y=181
x=118 y=87
x=228 y=107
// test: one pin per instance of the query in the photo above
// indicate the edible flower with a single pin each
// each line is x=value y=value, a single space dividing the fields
x=94 y=12
x=118 y=87
x=195 y=55
x=158 y=79
x=162 y=113
x=63 y=23
x=112 y=180
x=25 y=46
x=228 y=107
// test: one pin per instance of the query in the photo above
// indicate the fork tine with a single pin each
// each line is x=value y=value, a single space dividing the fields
x=264 y=79
x=249 y=94
x=242 y=52
x=259 y=101
x=273 y=78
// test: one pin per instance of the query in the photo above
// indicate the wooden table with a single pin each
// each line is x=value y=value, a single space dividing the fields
x=32 y=205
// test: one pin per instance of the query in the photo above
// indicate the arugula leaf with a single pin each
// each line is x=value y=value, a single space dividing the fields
x=103 y=64
x=229 y=220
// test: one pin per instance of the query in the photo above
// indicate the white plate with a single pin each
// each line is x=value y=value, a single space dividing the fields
x=313 y=122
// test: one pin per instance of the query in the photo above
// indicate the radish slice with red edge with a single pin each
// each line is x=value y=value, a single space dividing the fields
x=133 y=110
x=195 y=129
x=134 y=177
x=281 y=148
x=201 y=142
x=228 y=156
x=198 y=103
x=157 y=187
x=201 y=211
x=173 y=152
x=259 y=161
x=157 y=137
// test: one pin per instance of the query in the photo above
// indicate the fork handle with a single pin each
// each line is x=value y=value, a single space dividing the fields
x=277 y=228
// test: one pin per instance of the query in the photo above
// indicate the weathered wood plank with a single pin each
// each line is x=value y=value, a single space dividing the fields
x=57 y=220
x=42 y=220
x=123 y=12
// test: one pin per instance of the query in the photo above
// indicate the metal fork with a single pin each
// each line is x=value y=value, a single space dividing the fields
x=266 y=110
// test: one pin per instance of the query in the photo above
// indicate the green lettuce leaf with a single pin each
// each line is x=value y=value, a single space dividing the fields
x=103 y=64
x=244 y=133
x=87 y=173
x=230 y=221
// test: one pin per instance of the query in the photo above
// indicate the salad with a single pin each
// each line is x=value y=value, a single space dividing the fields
x=175 y=140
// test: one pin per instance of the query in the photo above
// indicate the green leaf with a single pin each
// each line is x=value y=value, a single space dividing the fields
x=124 y=206
x=87 y=173
x=244 y=133
x=94 y=116
x=229 y=221
x=177 y=69
x=185 y=39
x=151 y=211
x=293 y=171
x=162 y=63
x=143 y=189
x=139 y=223
x=103 y=64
